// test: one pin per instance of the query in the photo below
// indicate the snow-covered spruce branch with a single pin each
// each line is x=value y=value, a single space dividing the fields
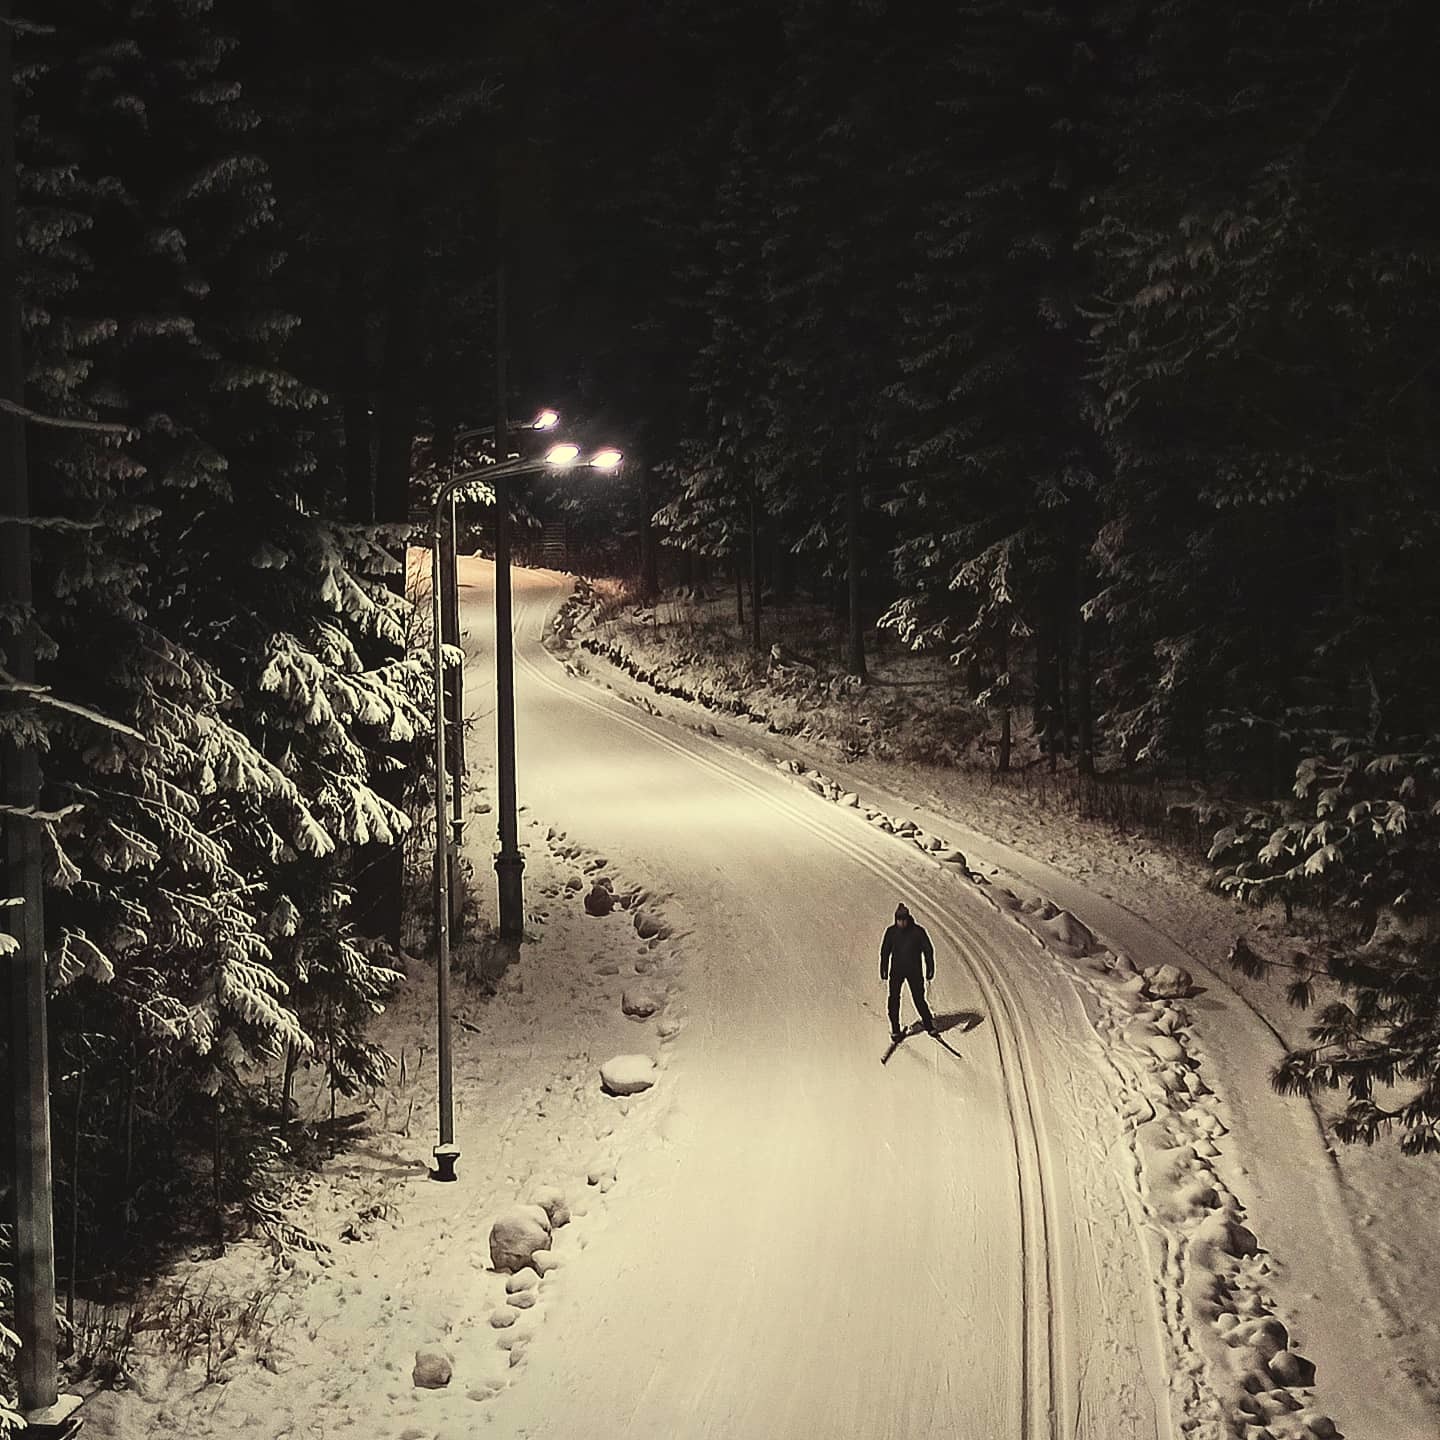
x=42 y=695
x=57 y=422
x=43 y=817
x=53 y=522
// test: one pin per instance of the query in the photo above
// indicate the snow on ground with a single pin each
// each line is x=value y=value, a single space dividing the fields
x=403 y=1327
x=1253 y=1234
x=1337 y=1276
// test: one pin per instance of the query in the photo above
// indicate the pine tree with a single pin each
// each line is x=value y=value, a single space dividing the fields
x=213 y=728
x=995 y=388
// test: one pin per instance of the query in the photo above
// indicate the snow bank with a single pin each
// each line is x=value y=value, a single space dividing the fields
x=1209 y=1267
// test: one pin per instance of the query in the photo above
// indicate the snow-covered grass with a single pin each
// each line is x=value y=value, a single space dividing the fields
x=276 y=1339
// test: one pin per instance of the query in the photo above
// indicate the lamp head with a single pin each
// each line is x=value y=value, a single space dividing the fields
x=545 y=420
x=562 y=455
x=607 y=459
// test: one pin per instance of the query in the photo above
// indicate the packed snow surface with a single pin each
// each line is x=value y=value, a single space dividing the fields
x=776 y=1224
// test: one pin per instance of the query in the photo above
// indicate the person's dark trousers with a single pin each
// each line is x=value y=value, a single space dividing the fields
x=914 y=978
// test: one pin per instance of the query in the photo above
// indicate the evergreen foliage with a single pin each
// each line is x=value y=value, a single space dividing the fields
x=211 y=720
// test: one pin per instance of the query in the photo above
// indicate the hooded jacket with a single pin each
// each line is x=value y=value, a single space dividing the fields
x=907 y=946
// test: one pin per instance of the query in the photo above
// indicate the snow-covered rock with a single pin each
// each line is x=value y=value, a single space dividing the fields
x=649 y=926
x=1070 y=932
x=552 y=1201
x=544 y=1262
x=849 y=798
x=1288 y=1368
x=627 y=1074
x=639 y=1003
x=599 y=900
x=520 y=1280
x=504 y=1316
x=1041 y=908
x=516 y=1235
x=432 y=1369
x=1168 y=982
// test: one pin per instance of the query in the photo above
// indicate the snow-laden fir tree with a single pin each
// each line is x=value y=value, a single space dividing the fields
x=197 y=598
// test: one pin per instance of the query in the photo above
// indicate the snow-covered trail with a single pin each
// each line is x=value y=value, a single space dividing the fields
x=824 y=1246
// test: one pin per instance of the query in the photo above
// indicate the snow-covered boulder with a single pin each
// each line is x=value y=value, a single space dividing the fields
x=1288 y=1368
x=627 y=1074
x=1073 y=934
x=599 y=900
x=649 y=926
x=1041 y=908
x=1168 y=982
x=640 y=1003
x=552 y=1201
x=517 y=1235
x=432 y=1369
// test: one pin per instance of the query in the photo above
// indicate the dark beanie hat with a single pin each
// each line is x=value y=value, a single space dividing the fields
x=901 y=913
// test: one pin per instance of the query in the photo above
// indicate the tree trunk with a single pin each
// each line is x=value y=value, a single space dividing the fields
x=1042 y=720
x=287 y=1088
x=739 y=593
x=649 y=556
x=399 y=367
x=782 y=570
x=218 y=1179
x=755 y=641
x=20 y=839
x=77 y=1119
x=1002 y=659
x=855 y=650
x=385 y=875
x=1084 y=712
x=355 y=404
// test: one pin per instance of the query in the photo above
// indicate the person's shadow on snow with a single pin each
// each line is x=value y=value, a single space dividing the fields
x=960 y=1021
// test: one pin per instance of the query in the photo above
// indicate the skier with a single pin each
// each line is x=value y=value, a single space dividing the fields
x=905 y=948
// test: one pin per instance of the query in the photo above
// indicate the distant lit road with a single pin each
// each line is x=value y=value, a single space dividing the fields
x=939 y=1247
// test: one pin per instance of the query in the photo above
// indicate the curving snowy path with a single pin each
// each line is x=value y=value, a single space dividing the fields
x=822 y=1246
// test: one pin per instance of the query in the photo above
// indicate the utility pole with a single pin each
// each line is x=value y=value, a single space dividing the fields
x=22 y=878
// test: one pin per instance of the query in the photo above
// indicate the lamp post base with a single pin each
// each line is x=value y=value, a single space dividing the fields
x=445 y=1158
x=510 y=871
x=55 y=1422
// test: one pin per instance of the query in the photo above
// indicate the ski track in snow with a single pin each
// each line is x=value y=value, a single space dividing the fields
x=1043 y=1389
x=1231 y=1368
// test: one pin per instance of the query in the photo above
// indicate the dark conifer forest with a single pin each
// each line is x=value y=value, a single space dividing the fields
x=1091 y=345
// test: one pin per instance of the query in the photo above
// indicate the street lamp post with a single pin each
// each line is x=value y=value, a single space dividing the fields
x=447 y=1153
x=450 y=623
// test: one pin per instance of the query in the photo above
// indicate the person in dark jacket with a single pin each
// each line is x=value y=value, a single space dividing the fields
x=904 y=951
